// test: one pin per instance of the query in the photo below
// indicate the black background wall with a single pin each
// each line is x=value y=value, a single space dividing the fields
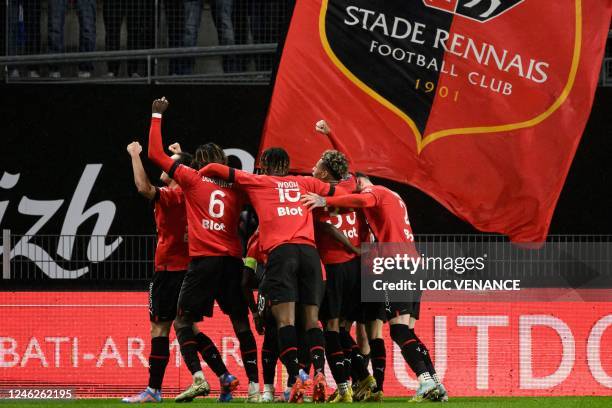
x=49 y=134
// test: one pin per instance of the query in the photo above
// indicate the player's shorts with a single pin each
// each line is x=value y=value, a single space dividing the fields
x=164 y=292
x=293 y=274
x=385 y=312
x=342 y=291
x=371 y=311
x=208 y=279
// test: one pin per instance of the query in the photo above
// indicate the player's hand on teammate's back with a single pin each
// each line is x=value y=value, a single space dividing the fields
x=175 y=148
x=134 y=149
x=312 y=200
x=322 y=127
x=160 y=105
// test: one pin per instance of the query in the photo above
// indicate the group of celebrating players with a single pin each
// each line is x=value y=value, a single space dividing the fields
x=303 y=259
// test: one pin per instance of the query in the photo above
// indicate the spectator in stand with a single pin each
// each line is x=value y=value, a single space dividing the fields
x=113 y=12
x=175 y=16
x=223 y=16
x=268 y=19
x=140 y=16
x=183 y=21
x=193 y=16
x=24 y=32
x=86 y=10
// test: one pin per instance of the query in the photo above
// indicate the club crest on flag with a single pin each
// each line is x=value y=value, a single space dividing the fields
x=479 y=10
x=480 y=104
x=446 y=75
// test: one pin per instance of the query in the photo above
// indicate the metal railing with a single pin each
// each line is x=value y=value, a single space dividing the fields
x=160 y=40
x=151 y=58
x=130 y=257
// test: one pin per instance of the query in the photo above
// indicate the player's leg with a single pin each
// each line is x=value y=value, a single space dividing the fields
x=232 y=303
x=209 y=352
x=284 y=315
x=330 y=313
x=399 y=326
x=374 y=317
x=163 y=295
x=196 y=296
x=280 y=286
x=358 y=363
x=269 y=357
x=351 y=310
x=442 y=393
x=311 y=294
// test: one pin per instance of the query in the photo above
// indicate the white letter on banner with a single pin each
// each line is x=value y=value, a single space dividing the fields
x=109 y=350
x=58 y=341
x=482 y=324
x=231 y=351
x=34 y=351
x=135 y=348
x=594 y=351
x=8 y=351
x=527 y=380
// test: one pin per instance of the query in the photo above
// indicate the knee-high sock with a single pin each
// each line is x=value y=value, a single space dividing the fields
x=357 y=361
x=426 y=357
x=401 y=335
x=269 y=355
x=378 y=355
x=188 y=345
x=158 y=360
x=287 y=346
x=335 y=356
x=316 y=345
x=248 y=352
x=304 y=361
x=211 y=354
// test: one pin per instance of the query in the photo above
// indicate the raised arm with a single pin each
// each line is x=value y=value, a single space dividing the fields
x=323 y=127
x=156 y=148
x=144 y=186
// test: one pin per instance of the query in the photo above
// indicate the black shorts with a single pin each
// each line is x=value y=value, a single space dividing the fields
x=208 y=279
x=395 y=309
x=385 y=312
x=164 y=292
x=342 y=291
x=293 y=274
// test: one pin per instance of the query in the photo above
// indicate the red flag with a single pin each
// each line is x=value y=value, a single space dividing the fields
x=479 y=103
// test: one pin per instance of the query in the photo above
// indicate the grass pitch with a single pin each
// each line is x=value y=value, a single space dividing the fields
x=513 y=402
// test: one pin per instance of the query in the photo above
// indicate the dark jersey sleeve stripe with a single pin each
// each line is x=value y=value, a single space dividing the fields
x=332 y=190
x=232 y=175
x=173 y=169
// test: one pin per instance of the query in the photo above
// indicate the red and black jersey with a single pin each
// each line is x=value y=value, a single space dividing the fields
x=385 y=211
x=276 y=199
x=388 y=218
x=172 y=251
x=213 y=211
x=350 y=223
x=213 y=206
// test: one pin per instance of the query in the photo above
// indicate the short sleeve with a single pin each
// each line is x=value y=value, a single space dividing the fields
x=184 y=176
